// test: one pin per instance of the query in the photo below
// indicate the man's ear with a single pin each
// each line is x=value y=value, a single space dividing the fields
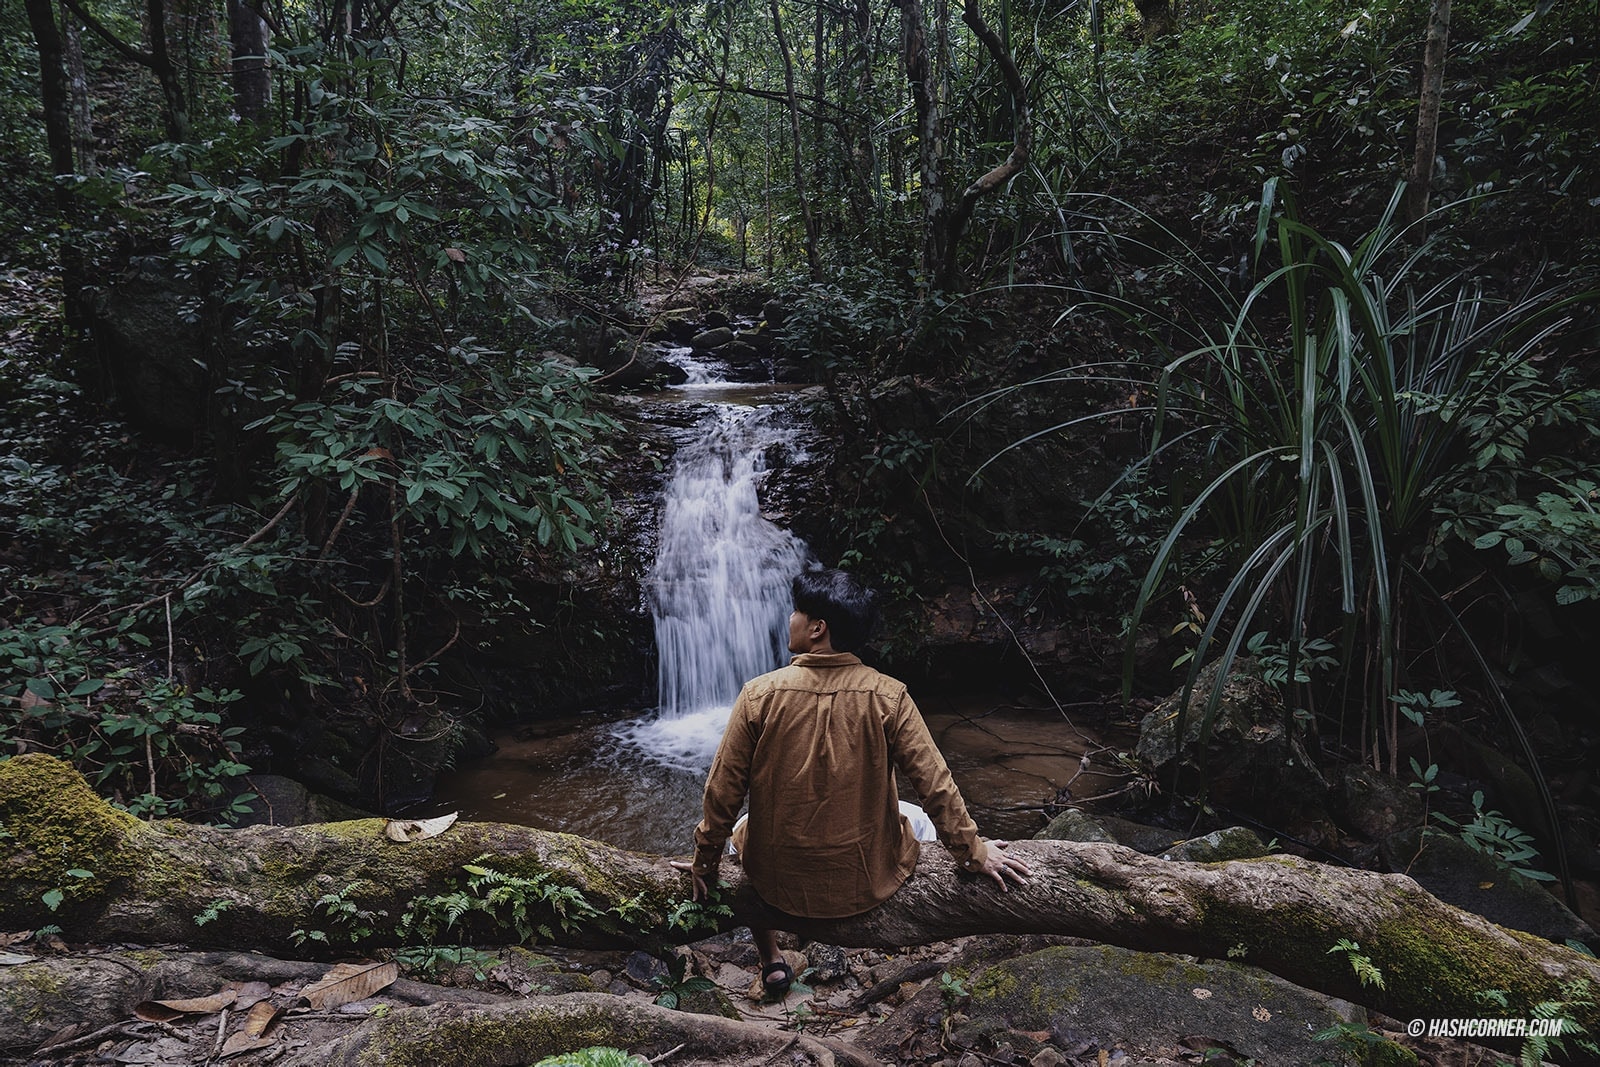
x=819 y=629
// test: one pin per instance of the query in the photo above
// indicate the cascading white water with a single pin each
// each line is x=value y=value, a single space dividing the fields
x=719 y=589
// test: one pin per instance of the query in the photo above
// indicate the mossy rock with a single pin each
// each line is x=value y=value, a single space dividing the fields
x=1458 y=874
x=1075 y=825
x=61 y=843
x=1234 y=843
x=1153 y=1000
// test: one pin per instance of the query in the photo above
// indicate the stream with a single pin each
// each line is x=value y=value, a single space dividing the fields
x=719 y=597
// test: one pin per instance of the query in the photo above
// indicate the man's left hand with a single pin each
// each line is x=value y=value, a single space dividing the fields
x=1000 y=866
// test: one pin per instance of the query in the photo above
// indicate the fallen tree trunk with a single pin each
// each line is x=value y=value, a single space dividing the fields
x=56 y=1006
x=115 y=878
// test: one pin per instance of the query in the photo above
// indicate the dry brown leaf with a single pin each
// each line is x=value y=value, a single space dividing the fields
x=248 y=994
x=261 y=1018
x=164 y=1011
x=244 y=1042
x=403 y=830
x=455 y=255
x=346 y=983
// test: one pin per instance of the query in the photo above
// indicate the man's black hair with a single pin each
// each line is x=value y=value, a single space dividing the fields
x=842 y=601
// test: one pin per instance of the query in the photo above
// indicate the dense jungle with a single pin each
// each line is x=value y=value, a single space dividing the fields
x=403 y=402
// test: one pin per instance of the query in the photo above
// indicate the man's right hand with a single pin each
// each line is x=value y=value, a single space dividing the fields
x=1000 y=866
x=702 y=889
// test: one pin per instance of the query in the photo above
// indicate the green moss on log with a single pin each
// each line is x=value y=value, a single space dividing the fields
x=496 y=1037
x=54 y=823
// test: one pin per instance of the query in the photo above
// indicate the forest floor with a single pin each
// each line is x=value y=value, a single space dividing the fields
x=898 y=1008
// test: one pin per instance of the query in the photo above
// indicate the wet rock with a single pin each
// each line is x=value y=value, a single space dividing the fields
x=710 y=339
x=1150 y=840
x=283 y=801
x=1151 y=1000
x=1375 y=804
x=676 y=325
x=628 y=365
x=1075 y=825
x=716 y=319
x=739 y=352
x=1234 y=843
x=642 y=969
x=773 y=312
x=828 y=963
x=1253 y=761
x=1458 y=874
x=707 y=1002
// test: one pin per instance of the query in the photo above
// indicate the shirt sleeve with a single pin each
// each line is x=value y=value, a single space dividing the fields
x=919 y=759
x=726 y=787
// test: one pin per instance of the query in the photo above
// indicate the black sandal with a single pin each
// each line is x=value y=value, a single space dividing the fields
x=776 y=978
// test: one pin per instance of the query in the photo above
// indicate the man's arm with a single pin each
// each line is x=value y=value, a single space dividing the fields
x=919 y=759
x=726 y=786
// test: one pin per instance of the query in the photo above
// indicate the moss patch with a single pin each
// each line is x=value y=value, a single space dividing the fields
x=1148 y=999
x=54 y=824
x=495 y=1037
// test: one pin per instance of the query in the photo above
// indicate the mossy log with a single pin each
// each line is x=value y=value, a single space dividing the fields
x=521 y=1033
x=152 y=882
x=60 y=1003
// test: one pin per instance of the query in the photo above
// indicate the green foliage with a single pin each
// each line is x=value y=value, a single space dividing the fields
x=1097 y=562
x=952 y=990
x=690 y=915
x=673 y=986
x=212 y=911
x=1337 y=441
x=1415 y=706
x=347 y=920
x=593 y=1056
x=477 y=463
x=432 y=961
x=1272 y=659
x=53 y=898
x=528 y=907
x=1365 y=1045
x=1490 y=832
x=1366 y=971
x=1537 y=1049
x=158 y=747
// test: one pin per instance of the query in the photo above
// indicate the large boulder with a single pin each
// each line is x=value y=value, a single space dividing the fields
x=1077 y=999
x=1251 y=757
x=1474 y=881
x=158 y=345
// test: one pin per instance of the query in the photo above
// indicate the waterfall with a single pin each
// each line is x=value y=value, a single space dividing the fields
x=719 y=589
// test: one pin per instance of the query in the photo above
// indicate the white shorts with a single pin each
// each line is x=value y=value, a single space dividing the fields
x=921 y=825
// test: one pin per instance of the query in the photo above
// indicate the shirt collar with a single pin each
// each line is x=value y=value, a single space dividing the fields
x=826 y=659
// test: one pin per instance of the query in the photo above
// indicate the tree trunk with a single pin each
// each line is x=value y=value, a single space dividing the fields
x=175 y=107
x=53 y=92
x=149 y=882
x=813 y=258
x=930 y=136
x=82 y=119
x=1015 y=161
x=252 y=83
x=175 y=113
x=1433 y=55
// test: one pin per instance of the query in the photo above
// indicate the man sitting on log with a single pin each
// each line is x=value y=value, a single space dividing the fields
x=815 y=746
